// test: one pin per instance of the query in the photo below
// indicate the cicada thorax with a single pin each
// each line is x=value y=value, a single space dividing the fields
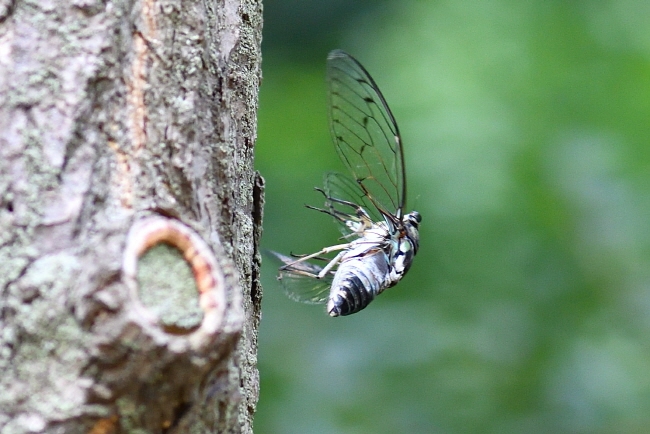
x=357 y=282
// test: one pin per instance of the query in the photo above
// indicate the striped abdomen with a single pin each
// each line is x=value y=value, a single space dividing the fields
x=357 y=282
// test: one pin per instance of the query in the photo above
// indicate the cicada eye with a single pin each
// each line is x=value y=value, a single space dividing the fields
x=415 y=218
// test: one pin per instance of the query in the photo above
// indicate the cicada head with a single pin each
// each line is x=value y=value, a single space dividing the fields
x=411 y=223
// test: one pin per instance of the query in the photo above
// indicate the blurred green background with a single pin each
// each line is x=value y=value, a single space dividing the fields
x=526 y=130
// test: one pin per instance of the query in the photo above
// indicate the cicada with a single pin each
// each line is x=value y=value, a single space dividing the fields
x=379 y=241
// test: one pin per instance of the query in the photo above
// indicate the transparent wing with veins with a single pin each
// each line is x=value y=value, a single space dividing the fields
x=300 y=280
x=365 y=134
x=347 y=203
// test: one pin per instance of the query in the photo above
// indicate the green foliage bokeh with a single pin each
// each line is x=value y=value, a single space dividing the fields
x=526 y=130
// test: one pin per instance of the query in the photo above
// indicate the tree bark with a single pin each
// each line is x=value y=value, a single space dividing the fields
x=130 y=215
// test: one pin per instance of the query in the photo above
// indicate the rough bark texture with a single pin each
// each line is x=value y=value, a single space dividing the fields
x=126 y=152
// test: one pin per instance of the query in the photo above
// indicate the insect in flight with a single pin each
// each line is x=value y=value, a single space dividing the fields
x=380 y=240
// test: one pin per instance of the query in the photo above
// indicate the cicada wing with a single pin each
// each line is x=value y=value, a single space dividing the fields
x=300 y=280
x=365 y=133
x=309 y=290
x=348 y=204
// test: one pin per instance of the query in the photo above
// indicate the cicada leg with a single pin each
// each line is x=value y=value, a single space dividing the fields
x=357 y=225
x=323 y=251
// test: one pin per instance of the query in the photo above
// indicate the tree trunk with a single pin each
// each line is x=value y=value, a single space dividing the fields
x=130 y=215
